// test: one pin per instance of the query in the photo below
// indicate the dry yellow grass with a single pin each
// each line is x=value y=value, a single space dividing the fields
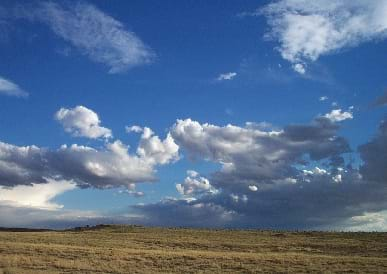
x=127 y=249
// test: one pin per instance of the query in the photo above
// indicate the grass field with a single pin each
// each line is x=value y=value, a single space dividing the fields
x=131 y=249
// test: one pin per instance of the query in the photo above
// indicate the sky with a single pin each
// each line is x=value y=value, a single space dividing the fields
x=226 y=114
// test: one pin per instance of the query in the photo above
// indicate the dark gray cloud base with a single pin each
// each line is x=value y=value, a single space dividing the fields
x=296 y=178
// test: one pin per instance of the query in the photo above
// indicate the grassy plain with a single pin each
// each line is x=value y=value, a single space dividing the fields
x=132 y=249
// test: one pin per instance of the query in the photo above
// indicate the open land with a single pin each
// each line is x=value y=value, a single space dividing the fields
x=136 y=249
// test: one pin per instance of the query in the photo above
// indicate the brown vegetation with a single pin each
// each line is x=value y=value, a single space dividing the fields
x=132 y=249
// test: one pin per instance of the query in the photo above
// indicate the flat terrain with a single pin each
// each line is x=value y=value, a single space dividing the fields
x=131 y=249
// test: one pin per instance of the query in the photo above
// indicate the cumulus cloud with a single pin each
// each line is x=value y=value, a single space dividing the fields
x=315 y=171
x=226 y=76
x=338 y=115
x=195 y=185
x=152 y=148
x=300 y=68
x=82 y=122
x=94 y=33
x=110 y=166
x=253 y=188
x=156 y=151
x=253 y=154
x=250 y=154
x=307 y=30
x=11 y=89
x=293 y=178
x=86 y=166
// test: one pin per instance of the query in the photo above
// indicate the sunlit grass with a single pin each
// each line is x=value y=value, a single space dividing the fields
x=127 y=249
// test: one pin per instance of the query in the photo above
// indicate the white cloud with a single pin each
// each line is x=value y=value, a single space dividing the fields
x=192 y=173
x=111 y=166
x=131 y=190
x=35 y=195
x=226 y=76
x=307 y=29
x=315 y=171
x=337 y=115
x=96 y=34
x=195 y=185
x=323 y=98
x=253 y=188
x=217 y=142
x=152 y=148
x=136 y=129
x=83 y=122
x=369 y=221
x=300 y=68
x=285 y=181
x=236 y=198
x=11 y=89
x=338 y=178
x=155 y=151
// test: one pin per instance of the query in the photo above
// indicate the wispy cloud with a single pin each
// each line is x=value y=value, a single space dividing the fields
x=131 y=191
x=11 y=89
x=226 y=76
x=96 y=34
x=307 y=30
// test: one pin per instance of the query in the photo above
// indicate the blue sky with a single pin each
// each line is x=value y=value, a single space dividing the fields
x=296 y=81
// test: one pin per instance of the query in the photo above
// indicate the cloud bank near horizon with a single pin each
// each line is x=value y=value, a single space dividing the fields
x=296 y=177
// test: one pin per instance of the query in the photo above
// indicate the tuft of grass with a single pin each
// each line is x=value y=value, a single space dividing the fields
x=136 y=249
